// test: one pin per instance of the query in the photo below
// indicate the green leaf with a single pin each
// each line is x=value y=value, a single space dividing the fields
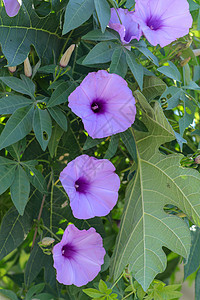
x=172 y=95
x=129 y=141
x=93 y=293
x=49 y=69
x=17 y=34
x=42 y=127
x=56 y=135
x=24 y=86
x=45 y=296
x=197 y=286
x=135 y=68
x=17 y=149
x=193 y=261
x=188 y=117
x=8 y=295
x=90 y=142
x=193 y=5
x=148 y=54
x=106 y=263
x=161 y=292
x=130 y=3
x=32 y=268
x=153 y=87
x=97 y=35
x=20 y=189
x=101 y=53
x=9 y=104
x=77 y=12
x=7 y=171
x=103 y=287
x=14 y=228
x=103 y=12
x=170 y=71
x=35 y=176
x=146 y=107
x=61 y=93
x=192 y=86
x=118 y=62
x=112 y=148
x=58 y=115
x=34 y=290
x=17 y=127
x=145 y=227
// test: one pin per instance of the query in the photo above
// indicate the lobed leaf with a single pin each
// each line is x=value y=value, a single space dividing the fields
x=153 y=87
x=17 y=34
x=145 y=227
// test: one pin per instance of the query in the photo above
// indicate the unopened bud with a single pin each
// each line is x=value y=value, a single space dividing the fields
x=197 y=160
x=185 y=61
x=66 y=56
x=27 y=68
x=12 y=69
x=47 y=241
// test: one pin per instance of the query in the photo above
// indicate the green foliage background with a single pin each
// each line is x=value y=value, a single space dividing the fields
x=154 y=225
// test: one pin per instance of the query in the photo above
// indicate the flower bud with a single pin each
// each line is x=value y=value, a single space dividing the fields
x=185 y=61
x=47 y=241
x=66 y=56
x=27 y=68
x=12 y=69
x=197 y=160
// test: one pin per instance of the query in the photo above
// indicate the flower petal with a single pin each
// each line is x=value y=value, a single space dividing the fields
x=124 y=22
x=92 y=186
x=12 y=7
x=85 y=262
x=118 y=112
x=162 y=22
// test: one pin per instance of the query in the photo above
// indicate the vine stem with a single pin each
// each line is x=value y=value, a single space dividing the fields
x=40 y=212
x=131 y=293
x=52 y=234
x=117 y=280
x=51 y=202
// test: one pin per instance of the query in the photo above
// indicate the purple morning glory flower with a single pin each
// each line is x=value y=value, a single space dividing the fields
x=12 y=7
x=129 y=29
x=105 y=103
x=92 y=186
x=163 y=21
x=79 y=256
